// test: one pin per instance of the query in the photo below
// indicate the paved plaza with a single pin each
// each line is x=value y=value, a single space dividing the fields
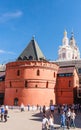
x=31 y=120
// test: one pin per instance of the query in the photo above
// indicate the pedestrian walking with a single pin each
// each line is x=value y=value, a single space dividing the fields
x=59 y=109
x=51 y=122
x=2 y=113
x=22 y=107
x=5 y=114
x=28 y=107
x=44 y=109
x=68 y=117
x=63 y=119
x=73 y=115
x=45 y=122
x=52 y=108
x=40 y=109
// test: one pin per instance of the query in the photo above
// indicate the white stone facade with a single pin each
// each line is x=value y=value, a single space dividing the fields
x=69 y=50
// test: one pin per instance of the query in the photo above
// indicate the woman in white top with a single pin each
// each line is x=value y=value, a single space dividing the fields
x=73 y=119
x=51 y=122
x=44 y=122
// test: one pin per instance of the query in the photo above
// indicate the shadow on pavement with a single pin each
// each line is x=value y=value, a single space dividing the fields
x=39 y=116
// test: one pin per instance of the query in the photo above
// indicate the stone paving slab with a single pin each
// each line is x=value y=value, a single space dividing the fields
x=27 y=120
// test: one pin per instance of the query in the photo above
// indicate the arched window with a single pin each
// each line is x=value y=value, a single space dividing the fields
x=16 y=90
x=47 y=84
x=54 y=74
x=30 y=57
x=79 y=70
x=15 y=101
x=36 y=86
x=61 y=92
x=18 y=72
x=10 y=84
x=26 y=84
x=70 y=83
x=38 y=72
x=20 y=58
x=25 y=58
x=79 y=80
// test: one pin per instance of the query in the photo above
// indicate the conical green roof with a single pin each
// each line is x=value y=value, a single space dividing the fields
x=31 y=52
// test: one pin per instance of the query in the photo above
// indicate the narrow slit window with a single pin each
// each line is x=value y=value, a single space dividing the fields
x=38 y=72
x=18 y=72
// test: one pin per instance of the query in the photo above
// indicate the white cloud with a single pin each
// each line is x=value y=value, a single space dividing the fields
x=12 y=53
x=2 y=51
x=6 y=52
x=10 y=15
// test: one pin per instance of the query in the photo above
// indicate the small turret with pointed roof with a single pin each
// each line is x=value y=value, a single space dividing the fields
x=65 y=40
x=73 y=45
x=65 y=33
x=31 y=52
x=72 y=40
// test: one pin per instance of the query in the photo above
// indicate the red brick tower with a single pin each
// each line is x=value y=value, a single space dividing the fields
x=31 y=79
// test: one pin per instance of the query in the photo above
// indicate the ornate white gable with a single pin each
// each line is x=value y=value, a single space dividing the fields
x=69 y=49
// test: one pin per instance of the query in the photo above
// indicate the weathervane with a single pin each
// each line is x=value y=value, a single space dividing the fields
x=33 y=37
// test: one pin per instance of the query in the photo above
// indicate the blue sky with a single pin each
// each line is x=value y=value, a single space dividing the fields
x=46 y=19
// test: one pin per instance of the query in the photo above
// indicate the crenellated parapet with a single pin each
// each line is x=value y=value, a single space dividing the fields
x=32 y=64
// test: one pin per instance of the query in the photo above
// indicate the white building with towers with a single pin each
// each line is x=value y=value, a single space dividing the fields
x=69 y=55
x=69 y=49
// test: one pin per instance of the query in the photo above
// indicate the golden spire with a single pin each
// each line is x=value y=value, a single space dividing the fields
x=65 y=33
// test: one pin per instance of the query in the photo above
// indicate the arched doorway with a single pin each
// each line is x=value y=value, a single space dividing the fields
x=15 y=101
x=1 y=98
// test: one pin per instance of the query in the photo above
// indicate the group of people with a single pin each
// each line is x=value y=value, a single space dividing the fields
x=67 y=118
x=4 y=113
x=48 y=123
